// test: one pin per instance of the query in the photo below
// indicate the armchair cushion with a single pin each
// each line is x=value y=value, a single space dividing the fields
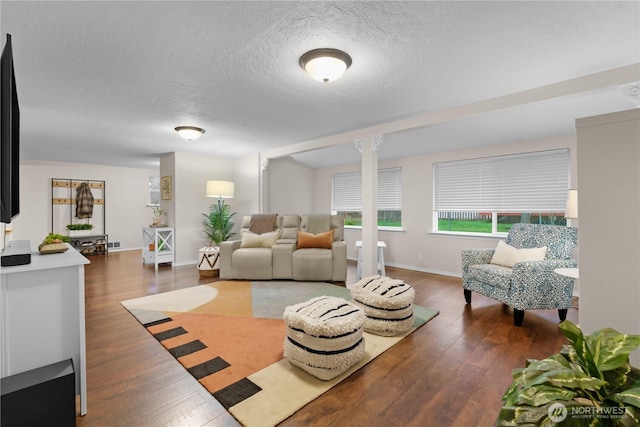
x=497 y=275
x=560 y=241
x=320 y=240
x=507 y=256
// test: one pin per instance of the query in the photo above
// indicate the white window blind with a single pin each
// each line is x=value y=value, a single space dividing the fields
x=528 y=182
x=347 y=191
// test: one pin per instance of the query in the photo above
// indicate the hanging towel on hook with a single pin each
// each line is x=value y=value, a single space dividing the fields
x=84 y=201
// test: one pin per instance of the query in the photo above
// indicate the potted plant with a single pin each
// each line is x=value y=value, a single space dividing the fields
x=217 y=227
x=53 y=243
x=589 y=383
x=158 y=213
x=217 y=224
x=80 y=229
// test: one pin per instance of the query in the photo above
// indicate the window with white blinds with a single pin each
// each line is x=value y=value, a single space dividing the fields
x=528 y=182
x=347 y=195
x=347 y=190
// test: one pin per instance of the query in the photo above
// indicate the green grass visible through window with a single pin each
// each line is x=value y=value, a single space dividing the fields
x=358 y=223
x=385 y=218
x=470 y=226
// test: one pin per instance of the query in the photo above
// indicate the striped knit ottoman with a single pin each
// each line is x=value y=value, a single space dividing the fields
x=387 y=304
x=324 y=336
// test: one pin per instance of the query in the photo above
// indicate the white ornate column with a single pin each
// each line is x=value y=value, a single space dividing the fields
x=369 y=153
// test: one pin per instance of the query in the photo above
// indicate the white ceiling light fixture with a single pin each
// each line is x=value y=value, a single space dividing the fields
x=189 y=132
x=325 y=65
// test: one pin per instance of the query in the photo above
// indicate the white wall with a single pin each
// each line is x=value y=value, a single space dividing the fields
x=441 y=253
x=190 y=173
x=126 y=196
x=290 y=187
x=246 y=176
x=609 y=208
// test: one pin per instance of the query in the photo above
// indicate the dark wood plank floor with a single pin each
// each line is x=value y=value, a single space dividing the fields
x=451 y=372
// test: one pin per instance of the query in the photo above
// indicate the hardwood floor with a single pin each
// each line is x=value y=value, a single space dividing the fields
x=451 y=372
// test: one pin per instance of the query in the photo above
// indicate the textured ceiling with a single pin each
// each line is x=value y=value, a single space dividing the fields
x=106 y=82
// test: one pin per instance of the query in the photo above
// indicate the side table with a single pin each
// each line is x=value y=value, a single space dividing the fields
x=573 y=272
x=157 y=245
x=381 y=246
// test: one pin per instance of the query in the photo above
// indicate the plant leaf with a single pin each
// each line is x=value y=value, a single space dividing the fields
x=570 y=379
x=511 y=416
x=610 y=348
x=631 y=418
x=536 y=368
x=543 y=394
x=510 y=396
x=630 y=397
x=622 y=378
x=583 y=353
x=217 y=224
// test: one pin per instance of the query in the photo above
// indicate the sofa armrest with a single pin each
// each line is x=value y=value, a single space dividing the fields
x=226 y=250
x=281 y=258
x=339 y=256
x=535 y=285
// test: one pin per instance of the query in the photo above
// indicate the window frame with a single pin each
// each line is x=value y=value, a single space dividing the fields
x=356 y=205
x=563 y=166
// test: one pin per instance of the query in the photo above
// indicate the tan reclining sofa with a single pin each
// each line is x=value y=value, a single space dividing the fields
x=296 y=247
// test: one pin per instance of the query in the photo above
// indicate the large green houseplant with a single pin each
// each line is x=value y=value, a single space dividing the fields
x=589 y=383
x=218 y=224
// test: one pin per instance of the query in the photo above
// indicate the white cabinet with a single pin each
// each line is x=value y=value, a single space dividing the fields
x=42 y=316
x=158 y=245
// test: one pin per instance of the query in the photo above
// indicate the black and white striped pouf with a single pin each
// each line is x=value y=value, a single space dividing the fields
x=324 y=336
x=387 y=304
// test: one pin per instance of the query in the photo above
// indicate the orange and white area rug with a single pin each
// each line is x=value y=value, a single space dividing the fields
x=230 y=334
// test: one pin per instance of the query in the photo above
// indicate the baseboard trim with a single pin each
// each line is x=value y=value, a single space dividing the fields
x=416 y=268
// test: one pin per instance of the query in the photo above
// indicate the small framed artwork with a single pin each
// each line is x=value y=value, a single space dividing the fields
x=165 y=187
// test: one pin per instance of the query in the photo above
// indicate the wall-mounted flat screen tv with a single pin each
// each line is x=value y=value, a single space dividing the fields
x=9 y=138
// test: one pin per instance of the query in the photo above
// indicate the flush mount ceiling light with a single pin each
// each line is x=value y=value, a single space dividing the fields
x=325 y=65
x=190 y=132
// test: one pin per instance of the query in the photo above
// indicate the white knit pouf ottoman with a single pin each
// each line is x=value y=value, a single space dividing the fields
x=324 y=336
x=387 y=304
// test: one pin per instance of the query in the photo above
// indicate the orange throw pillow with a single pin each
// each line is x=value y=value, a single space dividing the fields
x=320 y=240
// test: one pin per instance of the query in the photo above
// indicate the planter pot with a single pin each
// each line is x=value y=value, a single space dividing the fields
x=209 y=261
x=80 y=233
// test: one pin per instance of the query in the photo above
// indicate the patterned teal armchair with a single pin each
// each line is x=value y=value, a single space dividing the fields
x=528 y=285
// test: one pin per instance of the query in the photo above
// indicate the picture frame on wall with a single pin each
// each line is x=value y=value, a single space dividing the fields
x=165 y=186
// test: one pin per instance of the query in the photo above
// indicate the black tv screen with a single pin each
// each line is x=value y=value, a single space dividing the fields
x=9 y=138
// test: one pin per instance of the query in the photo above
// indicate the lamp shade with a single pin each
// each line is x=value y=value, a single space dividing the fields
x=220 y=189
x=571 y=211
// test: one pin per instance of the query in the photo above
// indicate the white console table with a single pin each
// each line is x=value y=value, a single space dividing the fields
x=43 y=317
x=157 y=245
